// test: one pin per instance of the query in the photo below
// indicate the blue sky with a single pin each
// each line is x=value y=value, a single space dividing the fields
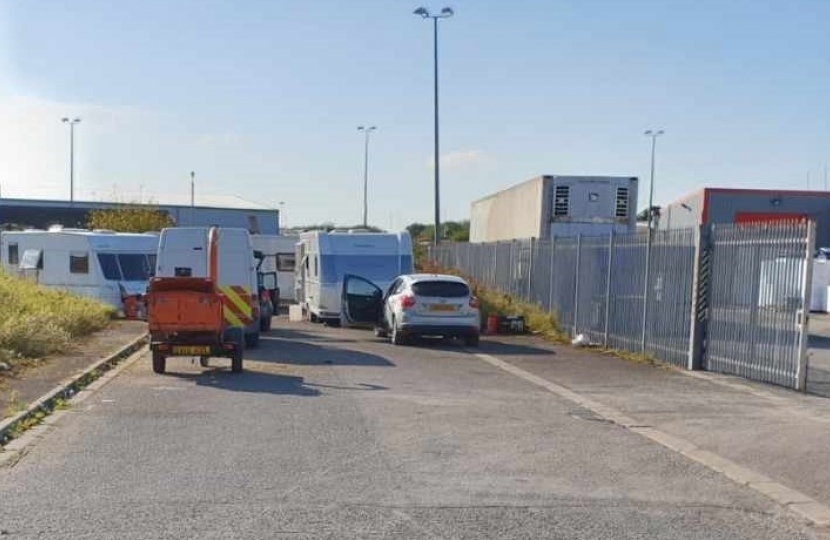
x=262 y=98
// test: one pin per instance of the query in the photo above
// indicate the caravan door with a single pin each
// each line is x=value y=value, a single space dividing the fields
x=362 y=301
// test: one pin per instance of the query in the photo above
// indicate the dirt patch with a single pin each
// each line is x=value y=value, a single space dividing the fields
x=28 y=382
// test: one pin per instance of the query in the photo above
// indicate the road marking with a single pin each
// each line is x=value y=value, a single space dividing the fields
x=799 y=504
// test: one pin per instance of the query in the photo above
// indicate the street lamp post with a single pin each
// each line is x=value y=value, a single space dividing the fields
x=445 y=14
x=366 y=131
x=653 y=134
x=71 y=123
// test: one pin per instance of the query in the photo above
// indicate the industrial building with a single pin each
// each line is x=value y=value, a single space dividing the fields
x=726 y=205
x=552 y=205
x=223 y=211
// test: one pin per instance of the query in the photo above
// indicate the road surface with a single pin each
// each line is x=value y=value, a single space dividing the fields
x=331 y=433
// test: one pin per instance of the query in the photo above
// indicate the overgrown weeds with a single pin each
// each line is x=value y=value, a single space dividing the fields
x=36 y=321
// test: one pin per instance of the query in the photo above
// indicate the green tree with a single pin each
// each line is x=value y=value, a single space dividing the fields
x=130 y=218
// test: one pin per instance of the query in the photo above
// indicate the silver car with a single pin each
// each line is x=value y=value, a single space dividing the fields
x=414 y=305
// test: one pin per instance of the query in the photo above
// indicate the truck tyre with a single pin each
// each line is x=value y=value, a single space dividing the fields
x=236 y=359
x=471 y=341
x=203 y=361
x=159 y=362
x=252 y=339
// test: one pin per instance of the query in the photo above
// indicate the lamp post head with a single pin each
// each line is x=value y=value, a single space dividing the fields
x=422 y=11
x=653 y=133
x=64 y=119
x=447 y=12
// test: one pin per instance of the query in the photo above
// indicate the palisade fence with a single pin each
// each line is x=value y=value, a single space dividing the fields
x=726 y=298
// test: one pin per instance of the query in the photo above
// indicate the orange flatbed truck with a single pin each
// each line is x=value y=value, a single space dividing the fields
x=186 y=318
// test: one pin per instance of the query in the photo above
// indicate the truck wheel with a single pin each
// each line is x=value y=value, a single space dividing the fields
x=252 y=339
x=236 y=359
x=159 y=362
x=203 y=361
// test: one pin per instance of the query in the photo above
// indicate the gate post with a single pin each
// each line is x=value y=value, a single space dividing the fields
x=576 y=284
x=608 y=286
x=803 y=316
x=701 y=282
x=552 y=276
x=530 y=272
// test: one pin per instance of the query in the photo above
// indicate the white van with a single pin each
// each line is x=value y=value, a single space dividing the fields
x=324 y=258
x=99 y=264
x=183 y=252
x=279 y=256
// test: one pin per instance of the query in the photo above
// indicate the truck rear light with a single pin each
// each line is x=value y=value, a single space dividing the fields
x=474 y=302
x=407 y=302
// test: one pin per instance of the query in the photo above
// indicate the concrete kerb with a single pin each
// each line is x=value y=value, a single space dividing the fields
x=803 y=506
x=45 y=404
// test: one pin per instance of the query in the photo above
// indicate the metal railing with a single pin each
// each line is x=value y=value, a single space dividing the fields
x=730 y=299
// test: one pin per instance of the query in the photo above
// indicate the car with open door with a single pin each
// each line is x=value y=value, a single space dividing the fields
x=414 y=305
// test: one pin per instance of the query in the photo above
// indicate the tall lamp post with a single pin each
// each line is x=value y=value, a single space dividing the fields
x=445 y=14
x=71 y=123
x=653 y=134
x=192 y=198
x=366 y=131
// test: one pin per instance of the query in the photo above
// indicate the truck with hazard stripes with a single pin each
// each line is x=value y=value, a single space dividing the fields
x=204 y=300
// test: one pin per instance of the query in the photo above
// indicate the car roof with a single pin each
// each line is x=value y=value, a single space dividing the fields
x=416 y=278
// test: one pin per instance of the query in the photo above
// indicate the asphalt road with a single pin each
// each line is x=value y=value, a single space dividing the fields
x=332 y=434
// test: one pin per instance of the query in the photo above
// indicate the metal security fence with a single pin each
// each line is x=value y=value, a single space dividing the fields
x=758 y=302
x=730 y=299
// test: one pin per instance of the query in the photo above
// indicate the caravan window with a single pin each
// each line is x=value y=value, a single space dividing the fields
x=79 y=262
x=14 y=257
x=109 y=266
x=285 y=262
x=134 y=266
x=32 y=260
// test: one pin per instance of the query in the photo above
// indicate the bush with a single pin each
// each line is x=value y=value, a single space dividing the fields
x=536 y=319
x=36 y=321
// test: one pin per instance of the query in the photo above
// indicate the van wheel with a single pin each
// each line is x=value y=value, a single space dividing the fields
x=265 y=324
x=238 y=339
x=252 y=340
x=159 y=362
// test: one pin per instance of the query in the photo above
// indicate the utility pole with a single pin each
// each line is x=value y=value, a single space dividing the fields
x=192 y=198
x=366 y=131
x=653 y=134
x=71 y=123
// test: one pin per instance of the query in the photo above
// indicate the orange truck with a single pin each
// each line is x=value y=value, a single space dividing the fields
x=203 y=301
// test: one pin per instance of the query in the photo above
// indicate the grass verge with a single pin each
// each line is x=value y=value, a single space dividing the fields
x=36 y=321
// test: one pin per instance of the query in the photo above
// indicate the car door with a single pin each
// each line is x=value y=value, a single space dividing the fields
x=362 y=301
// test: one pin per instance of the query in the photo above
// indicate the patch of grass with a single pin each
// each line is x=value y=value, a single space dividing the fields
x=14 y=405
x=36 y=321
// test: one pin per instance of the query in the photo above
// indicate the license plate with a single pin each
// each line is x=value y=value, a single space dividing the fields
x=442 y=307
x=192 y=351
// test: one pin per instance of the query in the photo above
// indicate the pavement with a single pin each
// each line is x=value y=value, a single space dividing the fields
x=27 y=384
x=331 y=433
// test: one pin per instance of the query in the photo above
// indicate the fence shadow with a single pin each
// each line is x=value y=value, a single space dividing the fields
x=495 y=346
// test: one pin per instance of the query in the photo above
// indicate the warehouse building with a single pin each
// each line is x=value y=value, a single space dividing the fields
x=224 y=211
x=552 y=205
x=726 y=205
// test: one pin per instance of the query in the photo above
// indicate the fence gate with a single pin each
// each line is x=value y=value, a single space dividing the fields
x=759 y=300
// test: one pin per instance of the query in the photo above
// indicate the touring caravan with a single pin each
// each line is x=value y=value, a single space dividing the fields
x=324 y=258
x=279 y=256
x=100 y=264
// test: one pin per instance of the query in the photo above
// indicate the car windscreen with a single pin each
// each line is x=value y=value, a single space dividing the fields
x=441 y=289
x=134 y=266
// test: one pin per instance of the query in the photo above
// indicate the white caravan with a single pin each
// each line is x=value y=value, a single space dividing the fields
x=324 y=258
x=99 y=264
x=280 y=253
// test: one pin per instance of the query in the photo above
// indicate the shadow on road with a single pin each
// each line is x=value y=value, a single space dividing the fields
x=505 y=348
x=287 y=347
x=300 y=335
x=256 y=382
